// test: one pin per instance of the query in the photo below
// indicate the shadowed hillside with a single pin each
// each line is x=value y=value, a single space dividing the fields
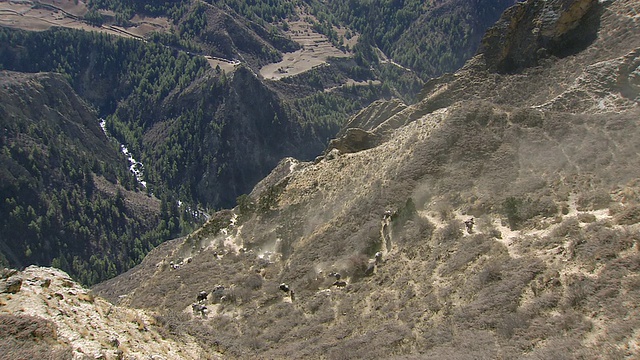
x=68 y=196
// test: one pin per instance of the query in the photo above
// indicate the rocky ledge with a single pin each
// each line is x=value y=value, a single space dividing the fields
x=69 y=321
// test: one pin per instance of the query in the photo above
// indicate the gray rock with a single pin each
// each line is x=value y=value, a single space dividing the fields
x=533 y=30
x=12 y=285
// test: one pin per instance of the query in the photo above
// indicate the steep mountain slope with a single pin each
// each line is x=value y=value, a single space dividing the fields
x=428 y=37
x=196 y=128
x=542 y=153
x=188 y=102
x=68 y=195
x=239 y=131
x=202 y=140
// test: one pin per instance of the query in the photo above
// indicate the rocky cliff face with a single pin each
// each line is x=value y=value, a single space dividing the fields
x=540 y=151
x=534 y=30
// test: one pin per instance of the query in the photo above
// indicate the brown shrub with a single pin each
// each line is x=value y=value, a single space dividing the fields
x=172 y=324
x=357 y=265
x=569 y=227
x=586 y=218
x=449 y=233
x=577 y=289
x=469 y=249
x=628 y=216
x=556 y=349
x=252 y=282
x=413 y=232
x=490 y=273
x=26 y=327
x=593 y=200
x=511 y=323
x=599 y=243
x=527 y=117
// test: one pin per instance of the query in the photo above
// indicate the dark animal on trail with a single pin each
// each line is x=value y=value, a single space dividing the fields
x=340 y=284
x=371 y=268
x=335 y=274
x=199 y=308
x=202 y=295
x=469 y=224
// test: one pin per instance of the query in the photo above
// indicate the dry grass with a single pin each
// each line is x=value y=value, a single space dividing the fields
x=26 y=337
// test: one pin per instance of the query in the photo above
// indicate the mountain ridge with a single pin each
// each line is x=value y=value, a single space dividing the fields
x=64 y=203
x=543 y=159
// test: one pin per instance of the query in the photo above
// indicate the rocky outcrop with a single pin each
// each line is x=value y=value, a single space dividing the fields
x=374 y=115
x=92 y=327
x=362 y=131
x=12 y=285
x=9 y=283
x=533 y=30
x=353 y=140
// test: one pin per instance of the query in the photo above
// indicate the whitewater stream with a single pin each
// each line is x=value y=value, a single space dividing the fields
x=136 y=167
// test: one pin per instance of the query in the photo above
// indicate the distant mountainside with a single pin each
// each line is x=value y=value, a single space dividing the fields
x=495 y=218
x=428 y=37
x=68 y=196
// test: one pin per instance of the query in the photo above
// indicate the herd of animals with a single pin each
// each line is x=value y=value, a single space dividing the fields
x=217 y=295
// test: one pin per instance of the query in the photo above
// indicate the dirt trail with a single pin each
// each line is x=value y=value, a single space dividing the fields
x=509 y=237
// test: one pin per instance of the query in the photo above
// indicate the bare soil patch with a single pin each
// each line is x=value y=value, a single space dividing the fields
x=316 y=49
x=32 y=16
x=225 y=65
x=145 y=25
